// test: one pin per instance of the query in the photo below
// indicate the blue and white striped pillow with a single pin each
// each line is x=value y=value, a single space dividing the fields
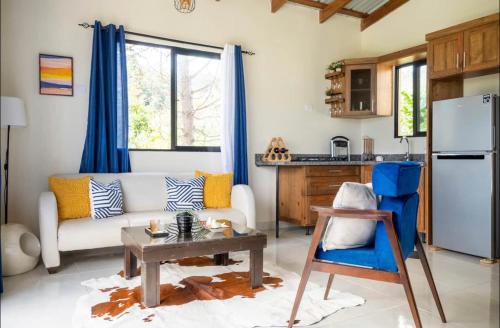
x=185 y=194
x=106 y=200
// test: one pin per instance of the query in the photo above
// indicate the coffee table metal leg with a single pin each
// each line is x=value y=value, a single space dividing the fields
x=150 y=284
x=256 y=267
x=129 y=264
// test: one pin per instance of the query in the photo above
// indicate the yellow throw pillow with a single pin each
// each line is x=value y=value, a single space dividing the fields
x=72 y=197
x=217 y=190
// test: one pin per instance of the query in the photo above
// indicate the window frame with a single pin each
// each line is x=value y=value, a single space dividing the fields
x=174 y=51
x=416 y=96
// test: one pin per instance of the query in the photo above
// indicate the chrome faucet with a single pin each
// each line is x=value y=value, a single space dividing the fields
x=407 y=155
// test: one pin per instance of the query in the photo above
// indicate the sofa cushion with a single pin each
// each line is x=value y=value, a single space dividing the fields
x=106 y=200
x=217 y=189
x=142 y=218
x=86 y=233
x=141 y=191
x=184 y=194
x=72 y=195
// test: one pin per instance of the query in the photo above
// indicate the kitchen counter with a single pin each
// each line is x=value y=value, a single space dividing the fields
x=307 y=180
x=325 y=159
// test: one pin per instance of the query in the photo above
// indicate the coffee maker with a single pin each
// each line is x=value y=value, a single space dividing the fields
x=340 y=148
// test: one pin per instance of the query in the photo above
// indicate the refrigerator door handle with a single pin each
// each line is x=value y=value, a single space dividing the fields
x=494 y=142
x=460 y=156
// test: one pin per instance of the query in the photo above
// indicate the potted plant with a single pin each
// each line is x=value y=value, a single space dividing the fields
x=336 y=66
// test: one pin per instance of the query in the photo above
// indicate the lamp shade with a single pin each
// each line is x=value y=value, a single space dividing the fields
x=13 y=112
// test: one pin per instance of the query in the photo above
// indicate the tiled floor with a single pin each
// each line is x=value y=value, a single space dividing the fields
x=469 y=291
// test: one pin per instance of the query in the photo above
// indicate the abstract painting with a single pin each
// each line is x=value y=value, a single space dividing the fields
x=56 y=75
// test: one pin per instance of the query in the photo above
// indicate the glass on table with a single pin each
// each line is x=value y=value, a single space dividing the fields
x=154 y=225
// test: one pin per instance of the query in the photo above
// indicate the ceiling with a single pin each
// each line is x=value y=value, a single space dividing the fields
x=368 y=11
x=364 y=6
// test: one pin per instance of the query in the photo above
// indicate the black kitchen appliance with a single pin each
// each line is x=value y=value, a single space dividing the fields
x=340 y=148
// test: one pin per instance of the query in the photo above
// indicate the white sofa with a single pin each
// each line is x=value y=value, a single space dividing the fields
x=144 y=196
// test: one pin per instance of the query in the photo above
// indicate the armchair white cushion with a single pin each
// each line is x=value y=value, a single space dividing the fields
x=343 y=233
x=144 y=196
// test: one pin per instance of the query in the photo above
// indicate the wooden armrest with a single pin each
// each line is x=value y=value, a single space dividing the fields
x=352 y=213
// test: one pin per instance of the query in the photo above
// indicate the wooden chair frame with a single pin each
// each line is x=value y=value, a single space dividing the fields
x=400 y=277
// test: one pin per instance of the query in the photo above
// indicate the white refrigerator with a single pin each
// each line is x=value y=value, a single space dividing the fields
x=465 y=175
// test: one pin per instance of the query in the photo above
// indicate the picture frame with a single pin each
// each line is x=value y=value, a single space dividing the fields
x=55 y=75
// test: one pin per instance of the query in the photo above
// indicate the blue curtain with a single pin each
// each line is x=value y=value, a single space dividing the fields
x=240 y=123
x=1 y=275
x=106 y=144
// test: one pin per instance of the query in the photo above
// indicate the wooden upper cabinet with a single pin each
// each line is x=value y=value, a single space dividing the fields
x=444 y=56
x=361 y=90
x=481 y=48
x=470 y=48
x=355 y=91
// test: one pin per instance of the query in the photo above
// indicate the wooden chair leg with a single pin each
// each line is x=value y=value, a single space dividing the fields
x=428 y=275
x=318 y=231
x=328 y=286
x=300 y=292
x=411 y=298
x=405 y=278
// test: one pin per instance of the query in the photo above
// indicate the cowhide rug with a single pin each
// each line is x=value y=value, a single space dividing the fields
x=196 y=293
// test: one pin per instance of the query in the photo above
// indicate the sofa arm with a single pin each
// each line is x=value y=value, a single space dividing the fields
x=48 y=221
x=242 y=199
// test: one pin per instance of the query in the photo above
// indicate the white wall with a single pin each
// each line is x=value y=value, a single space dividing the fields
x=284 y=76
x=407 y=27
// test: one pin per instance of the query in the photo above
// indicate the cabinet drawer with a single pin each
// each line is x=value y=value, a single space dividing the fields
x=327 y=185
x=331 y=171
x=323 y=200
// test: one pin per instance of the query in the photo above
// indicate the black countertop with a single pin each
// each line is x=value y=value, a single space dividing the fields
x=325 y=159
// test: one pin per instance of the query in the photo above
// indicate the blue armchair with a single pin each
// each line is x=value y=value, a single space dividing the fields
x=395 y=238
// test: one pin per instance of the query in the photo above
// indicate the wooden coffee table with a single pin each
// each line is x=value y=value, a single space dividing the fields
x=151 y=251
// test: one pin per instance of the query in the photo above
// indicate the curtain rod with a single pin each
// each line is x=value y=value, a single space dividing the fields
x=247 y=52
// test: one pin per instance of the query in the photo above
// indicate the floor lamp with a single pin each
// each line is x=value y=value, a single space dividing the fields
x=20 y=248
x=13 y=115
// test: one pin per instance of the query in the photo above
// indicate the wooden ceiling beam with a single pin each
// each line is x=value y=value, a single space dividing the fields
x=321 y=5
x=277 y=4
x=331 y=9
x=381 y=13
x=352 y=13
x=310 y=3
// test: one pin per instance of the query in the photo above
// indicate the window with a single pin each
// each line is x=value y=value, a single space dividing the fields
x=174 y=98
x=410 y=100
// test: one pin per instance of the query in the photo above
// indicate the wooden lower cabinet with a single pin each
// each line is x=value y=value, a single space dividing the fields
x=303 y=186
x=300 y=187
x=323 y=200
x=366 y=173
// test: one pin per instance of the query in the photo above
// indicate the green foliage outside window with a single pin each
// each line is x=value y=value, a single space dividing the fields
x=405 y=114
x=197 y=98
x=410 y=116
